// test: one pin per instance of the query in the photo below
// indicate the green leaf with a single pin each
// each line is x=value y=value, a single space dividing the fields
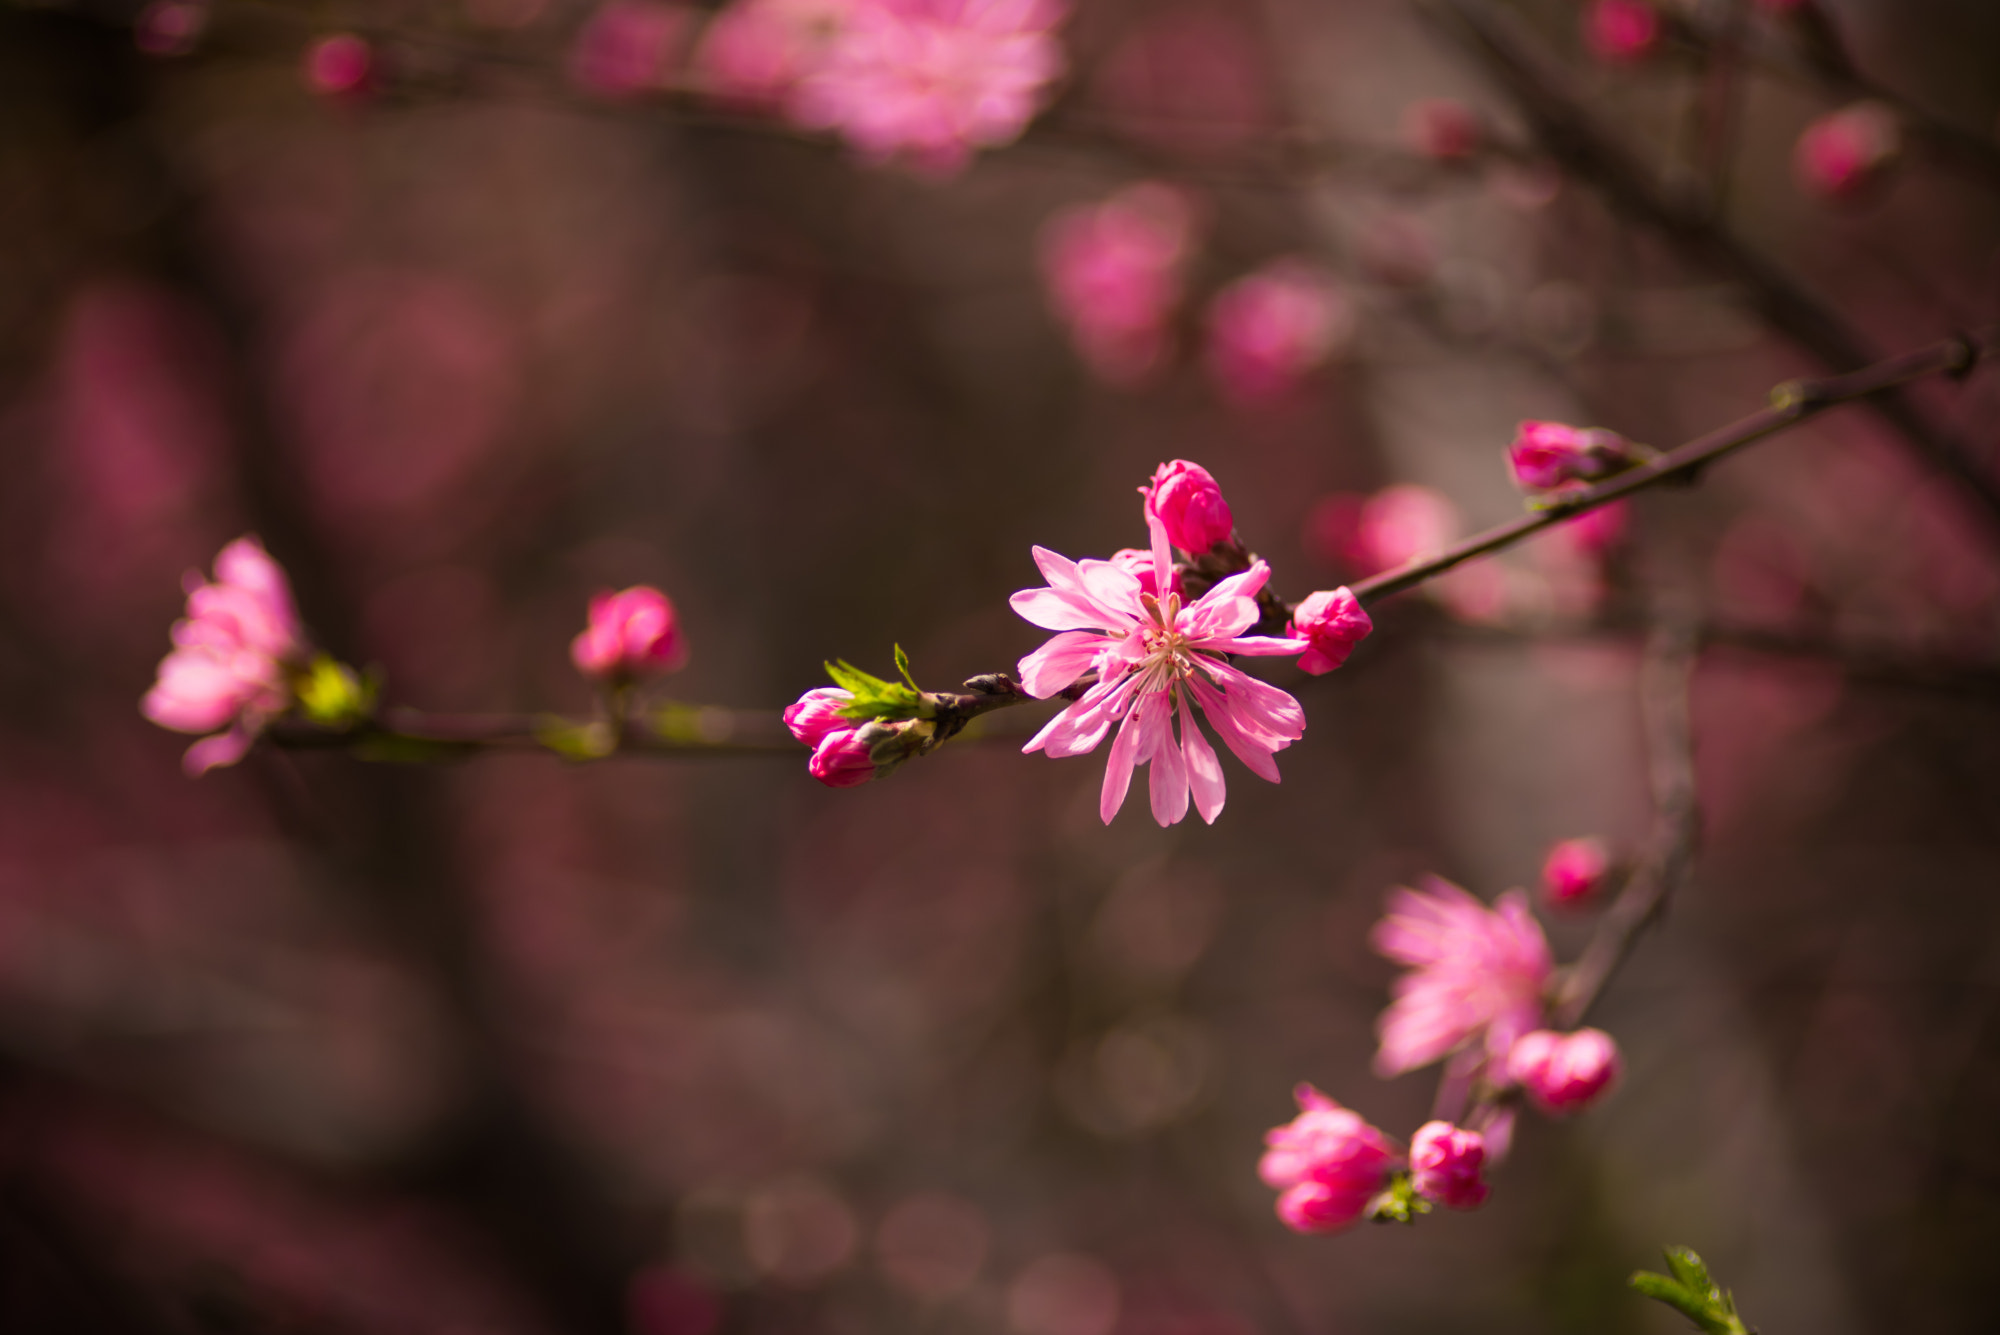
x=1689 y=1270
x=331 y=694
x=875 y=698
x=1692 y=1292
x=903 y=666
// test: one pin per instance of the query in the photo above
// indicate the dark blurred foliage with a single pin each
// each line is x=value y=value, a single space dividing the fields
x=698 y=1046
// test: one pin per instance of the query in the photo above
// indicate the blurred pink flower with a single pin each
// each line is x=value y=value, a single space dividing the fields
x=1477 y=975
x=840 y=758
x=1139 y=565
x=232 y=659
x=341 y=65
x=1268 y=329
x=626 y=47
x=753 y=52
x=631 y=635
x=1574 y=872
x=1620 y=31
x=1595 y=531
x=1545 y=456
x=1443 y=129
x=1113 y=274
x=1331 y=622
x=932 y=80
x=1327 y=1162
x=1845 y=153
x=1371 y=534
x=1445 y=1165
x=1151 y=656
x=1564 y=1073
x=1185 y=498
x=169 y=27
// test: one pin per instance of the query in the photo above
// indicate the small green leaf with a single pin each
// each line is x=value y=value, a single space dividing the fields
x=875 y=698
x=903 y=666
x=1689 y=1270
x=1692 y=1292
x=331 y=694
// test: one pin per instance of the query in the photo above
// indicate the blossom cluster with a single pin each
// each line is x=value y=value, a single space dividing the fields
x=1477 y=997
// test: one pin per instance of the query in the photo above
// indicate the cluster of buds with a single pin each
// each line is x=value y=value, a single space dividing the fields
x=1477 y=997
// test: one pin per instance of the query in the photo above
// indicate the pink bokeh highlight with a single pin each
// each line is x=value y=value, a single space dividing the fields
x=1113 y=274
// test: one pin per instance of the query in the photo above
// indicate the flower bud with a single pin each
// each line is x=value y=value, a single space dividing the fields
x=1139 y=565
x=1574 y=872
x=1327 y=1162
x=1621 y=31
x=1546 y=456
x=1184 y=497
x=1564 y=1073
x=1443 y=129
x=1332 y=622
x=817 y=713
x=340 y=66
x=842 y=759
x=1846 y=153
x=631 y=635
x=1445 y=1164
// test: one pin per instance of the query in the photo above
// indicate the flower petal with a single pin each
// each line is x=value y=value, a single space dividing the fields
x=1118 y=768
x=1203 y=769
x=1059 y=662
x=1167 y=777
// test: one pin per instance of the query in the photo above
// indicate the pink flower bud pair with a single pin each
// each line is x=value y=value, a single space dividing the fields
x=1332 y=623
x=1185 y=498
x=631 y=635
x=1564 y=1073
x=840 y=755
x=1547 y=456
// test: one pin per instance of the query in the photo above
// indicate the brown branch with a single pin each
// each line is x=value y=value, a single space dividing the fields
x=1665 y=680
x=1586 y=150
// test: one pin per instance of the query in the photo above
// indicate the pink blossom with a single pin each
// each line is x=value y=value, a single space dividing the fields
x=1620 y=31
x=1443 y=129
x=1545 y=456
x=932 y=80
x=754 y=52
x=1844 y=154
x=1477 y=975
x=1139 y=565
x=1185 y=498
x=169 y=27
x=1331 y=622
x=630 y=635
x=1445 y=1165
x=1401 y=524
x=233 y=656
x=1327 y=1162
x=624 y=48
x=840 y=756
x=341 y=65
x=1113 y=273
x=1268 y=329
x=1574 y=872
x=1153 y=658
x=1564 y=1073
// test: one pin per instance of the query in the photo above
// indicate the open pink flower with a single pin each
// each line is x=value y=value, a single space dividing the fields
x=933 y=80
x=1327 y=1161
x=1113 y=273
x=1331 y=622
x=1153 y=659
x=233 y=657
x=1477 y=975
x=1565 y=1073
x=1445 y=1165
x=631 y=634
x=753 y=52
x=1139 y=564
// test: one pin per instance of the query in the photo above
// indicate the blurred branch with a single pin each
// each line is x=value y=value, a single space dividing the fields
x=1587 y=151
x=1665 y=680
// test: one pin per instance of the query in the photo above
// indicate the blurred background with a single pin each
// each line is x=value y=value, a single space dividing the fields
x=495 y=303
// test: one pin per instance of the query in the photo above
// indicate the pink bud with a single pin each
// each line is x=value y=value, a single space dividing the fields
x=1564 y=1073
x=1445 y=1164
x=1327 y=1162
x=842 y=760
x=1620 y=31
x=340 y=66
x=1185 y=498
x=1443 y=129
x=1844 y=154
x=169 y=27
x=1574 y=872
x=1267 y=330
x=1332 y=622
x=1545 y=456
x=817 y=713
x=1139 y=564
x=631 y=635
